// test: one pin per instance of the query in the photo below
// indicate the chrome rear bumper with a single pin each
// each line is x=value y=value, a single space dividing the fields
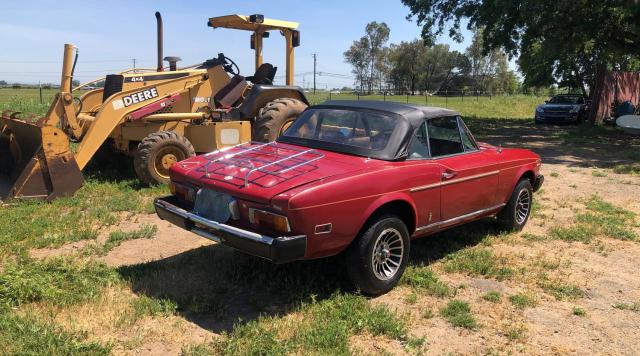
x=276 y=249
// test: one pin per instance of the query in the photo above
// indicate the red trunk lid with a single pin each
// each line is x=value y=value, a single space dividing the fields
x=258 y=172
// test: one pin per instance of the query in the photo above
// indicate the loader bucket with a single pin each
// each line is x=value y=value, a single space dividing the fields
x=35 y=162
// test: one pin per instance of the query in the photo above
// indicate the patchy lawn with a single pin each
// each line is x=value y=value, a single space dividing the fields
x=99 y=274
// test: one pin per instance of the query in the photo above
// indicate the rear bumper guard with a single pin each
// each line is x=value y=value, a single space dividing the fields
x=276 y=249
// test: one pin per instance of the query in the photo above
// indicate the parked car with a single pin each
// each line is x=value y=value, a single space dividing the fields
x=360 y=177
x=564 y=108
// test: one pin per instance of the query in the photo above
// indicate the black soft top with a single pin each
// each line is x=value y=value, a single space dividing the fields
x=409 y=117
x=415 y=114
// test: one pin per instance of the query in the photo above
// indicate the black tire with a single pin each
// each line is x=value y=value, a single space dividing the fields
x=275 y=116
x=152 y=159
x=512 y=217
x=360 y=256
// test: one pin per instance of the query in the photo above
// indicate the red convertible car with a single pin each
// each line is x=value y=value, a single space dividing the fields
x=361 y=177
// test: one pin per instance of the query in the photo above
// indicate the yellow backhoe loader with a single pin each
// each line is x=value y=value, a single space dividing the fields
x=158 y=116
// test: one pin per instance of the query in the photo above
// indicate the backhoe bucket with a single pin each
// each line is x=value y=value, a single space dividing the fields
x=35 y=162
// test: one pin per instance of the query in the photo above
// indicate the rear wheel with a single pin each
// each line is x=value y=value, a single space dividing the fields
x=517 y=211
x=157 y=153
x=376 y=261
x=275 y=117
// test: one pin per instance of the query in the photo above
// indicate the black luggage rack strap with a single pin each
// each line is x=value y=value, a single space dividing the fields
x=258 y=157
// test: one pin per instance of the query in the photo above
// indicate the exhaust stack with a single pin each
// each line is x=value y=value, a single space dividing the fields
x=160 y=36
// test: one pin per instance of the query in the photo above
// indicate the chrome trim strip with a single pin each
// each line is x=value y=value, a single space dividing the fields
x=424 y=187
x=464 y=179
x=459 y=218
x=453 y=181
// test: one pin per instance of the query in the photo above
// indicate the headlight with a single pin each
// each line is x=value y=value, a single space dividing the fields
x=539 y=109
x=265 y=218
x=574 y=109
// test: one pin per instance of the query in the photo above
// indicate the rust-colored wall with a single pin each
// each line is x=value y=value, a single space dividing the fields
x=613 y=86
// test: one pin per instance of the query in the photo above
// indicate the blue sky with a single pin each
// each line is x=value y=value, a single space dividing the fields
x=110 y=33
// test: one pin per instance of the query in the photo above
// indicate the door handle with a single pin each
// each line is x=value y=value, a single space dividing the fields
x=446 y=175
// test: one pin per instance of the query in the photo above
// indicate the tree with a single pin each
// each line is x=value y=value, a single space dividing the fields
x=378 y=35
x=438 y=64
x=556 y=41
x=366 y=55
x=357 y=56
x=75 y=83
x=404 y=58
x=2 y=82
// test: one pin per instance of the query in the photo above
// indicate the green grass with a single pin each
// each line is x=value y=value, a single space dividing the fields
x=573 y=233
x=116 y=238
x=599 y=174
x=577 y=311
x=561 y=290
x=554 y=174
x=498 y=107
x=627 y=168
x=458 y=314
x=148 y=306
x=27 y=336
x=516 y=333
x=424 y=280
x=58 y=281
x=599 y=218
x=478 y=262
x=522 y=301
x=635 y=307
x=324 y=328
x=492 y=296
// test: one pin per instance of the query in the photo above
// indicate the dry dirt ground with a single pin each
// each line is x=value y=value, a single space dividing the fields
x=605 y=269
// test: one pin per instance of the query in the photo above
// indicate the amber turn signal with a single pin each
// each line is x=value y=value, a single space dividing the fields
x=277 y=222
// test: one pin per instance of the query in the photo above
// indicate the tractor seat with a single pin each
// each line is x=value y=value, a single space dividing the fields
x=264 y=74
x=230 y=93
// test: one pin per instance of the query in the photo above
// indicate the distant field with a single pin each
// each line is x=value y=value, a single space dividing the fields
x=497 y=107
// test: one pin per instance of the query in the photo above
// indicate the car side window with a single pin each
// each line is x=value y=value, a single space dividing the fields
x=467 y=139
x=444 y=136
x=419 y=146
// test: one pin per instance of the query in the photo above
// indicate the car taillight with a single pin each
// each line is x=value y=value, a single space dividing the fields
x=183 y=191
x=265 y=218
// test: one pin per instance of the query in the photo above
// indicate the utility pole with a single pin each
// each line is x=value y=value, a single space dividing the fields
x=134 y=64
x=315 y=57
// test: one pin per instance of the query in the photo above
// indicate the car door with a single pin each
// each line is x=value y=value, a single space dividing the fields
x=469 y=175
x=425 y=175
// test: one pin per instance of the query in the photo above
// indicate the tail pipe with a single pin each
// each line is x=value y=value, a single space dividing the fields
x=160 y=36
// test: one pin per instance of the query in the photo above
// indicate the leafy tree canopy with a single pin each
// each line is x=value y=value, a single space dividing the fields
x=556 y=40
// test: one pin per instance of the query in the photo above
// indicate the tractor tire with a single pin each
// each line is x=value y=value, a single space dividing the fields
x=157 y=152
x=275 y=117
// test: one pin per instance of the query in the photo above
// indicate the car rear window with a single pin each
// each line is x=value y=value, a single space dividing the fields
x=359 y=129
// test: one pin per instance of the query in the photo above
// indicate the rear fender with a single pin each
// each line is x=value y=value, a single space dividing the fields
x=384 y=199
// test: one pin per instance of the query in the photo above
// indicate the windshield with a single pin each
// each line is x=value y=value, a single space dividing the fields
x=344 y=130
x=566 y=100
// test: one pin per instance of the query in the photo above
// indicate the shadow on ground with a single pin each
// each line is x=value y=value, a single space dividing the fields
x=216 y=287
x=571 y=145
